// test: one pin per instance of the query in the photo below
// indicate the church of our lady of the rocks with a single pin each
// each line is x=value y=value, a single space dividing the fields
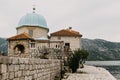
x=32 y=35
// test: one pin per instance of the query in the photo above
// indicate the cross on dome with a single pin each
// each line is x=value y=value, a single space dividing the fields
x=34 y=8
x=34 y=5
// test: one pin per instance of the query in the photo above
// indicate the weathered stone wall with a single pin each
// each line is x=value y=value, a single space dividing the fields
x=37 y=31
x=13 y=68
x=12 y=45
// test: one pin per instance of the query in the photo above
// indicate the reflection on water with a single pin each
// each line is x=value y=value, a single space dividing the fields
x=112 y=66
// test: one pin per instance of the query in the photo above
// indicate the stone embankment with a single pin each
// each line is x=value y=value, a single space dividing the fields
x=12 y=68
x=91 y=73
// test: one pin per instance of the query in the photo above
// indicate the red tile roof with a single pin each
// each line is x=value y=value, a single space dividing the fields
x=20 y=36
x=66 y=32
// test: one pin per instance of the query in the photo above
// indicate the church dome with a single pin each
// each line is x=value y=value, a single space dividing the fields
x=33 y=19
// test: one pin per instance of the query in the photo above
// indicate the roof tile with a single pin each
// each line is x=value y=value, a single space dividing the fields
x=66 y=32
x=20 y=36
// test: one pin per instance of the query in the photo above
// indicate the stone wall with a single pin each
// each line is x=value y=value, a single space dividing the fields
x=75 y=42
x=13 y=68
x=37 y=31
x=12 y=44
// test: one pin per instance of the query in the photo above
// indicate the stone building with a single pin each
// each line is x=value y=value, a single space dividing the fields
x=20 y=44
x=32 y=36
x=71 y=38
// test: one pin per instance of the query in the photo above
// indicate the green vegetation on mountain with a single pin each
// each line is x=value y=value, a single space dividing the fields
x=98 y=49
x=3 y=46
x=101 y=49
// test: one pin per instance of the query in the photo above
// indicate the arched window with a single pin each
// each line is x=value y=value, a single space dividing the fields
x=19 y=48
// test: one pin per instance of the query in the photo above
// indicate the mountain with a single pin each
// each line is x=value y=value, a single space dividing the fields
x=101 y=49
x=98 y=49
x=3 y=46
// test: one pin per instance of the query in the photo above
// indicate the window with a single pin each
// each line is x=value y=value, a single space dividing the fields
x=32 y=45
x=19 y=48
x=67 y=45
x=31 y=33
x=59 y=38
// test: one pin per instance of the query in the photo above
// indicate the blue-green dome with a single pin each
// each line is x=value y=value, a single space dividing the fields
x=33 y=19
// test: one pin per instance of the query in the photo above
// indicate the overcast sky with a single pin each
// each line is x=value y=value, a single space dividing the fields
x=92 y=18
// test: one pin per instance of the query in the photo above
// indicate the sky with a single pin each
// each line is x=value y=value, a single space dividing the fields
x=92 y=18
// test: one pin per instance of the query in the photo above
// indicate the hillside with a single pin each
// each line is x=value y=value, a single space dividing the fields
x=101 y=49
x=3 y=46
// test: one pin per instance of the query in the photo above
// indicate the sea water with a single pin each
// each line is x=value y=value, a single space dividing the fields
x=112 y=66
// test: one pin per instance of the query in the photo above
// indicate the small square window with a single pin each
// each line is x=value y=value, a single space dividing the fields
x=31 y=33
x=32 y=45
x=59 y=38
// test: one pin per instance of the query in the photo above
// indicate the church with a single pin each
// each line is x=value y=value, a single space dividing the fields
x=32 y=35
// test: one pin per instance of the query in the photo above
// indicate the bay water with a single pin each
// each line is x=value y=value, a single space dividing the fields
x=112 y=66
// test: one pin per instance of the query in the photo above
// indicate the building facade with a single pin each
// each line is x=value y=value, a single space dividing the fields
x=32 y=36
x=71 y=38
